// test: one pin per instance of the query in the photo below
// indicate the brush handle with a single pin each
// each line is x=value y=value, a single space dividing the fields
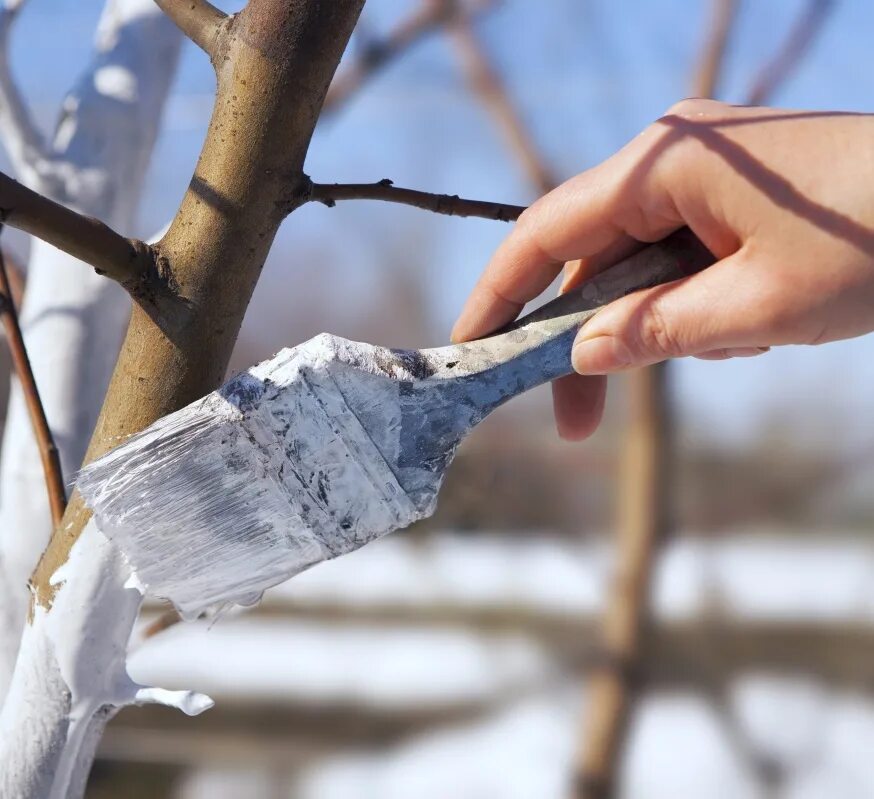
x=679 y=255
x=537 y=347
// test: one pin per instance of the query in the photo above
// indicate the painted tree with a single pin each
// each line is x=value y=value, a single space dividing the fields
x=73 y=319
x=274 y=62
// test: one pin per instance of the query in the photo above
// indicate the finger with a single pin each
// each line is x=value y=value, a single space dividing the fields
x=581 y=269
x=578 y=403
x=731 y=352
x=730 y=305
x=599 y=214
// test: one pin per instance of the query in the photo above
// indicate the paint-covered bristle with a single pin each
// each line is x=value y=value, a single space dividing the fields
x=248 y=486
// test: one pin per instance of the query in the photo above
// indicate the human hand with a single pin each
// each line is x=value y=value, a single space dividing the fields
x=783 y=199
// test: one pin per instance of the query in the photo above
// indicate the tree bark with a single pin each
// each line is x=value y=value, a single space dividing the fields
x=277 y=60
x=73 y=320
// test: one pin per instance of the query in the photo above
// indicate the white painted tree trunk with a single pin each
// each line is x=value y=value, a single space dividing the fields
x=73 y=319
x=70 y=675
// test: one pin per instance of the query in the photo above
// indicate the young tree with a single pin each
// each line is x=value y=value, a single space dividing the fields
x=73 y=318
x=273 y=61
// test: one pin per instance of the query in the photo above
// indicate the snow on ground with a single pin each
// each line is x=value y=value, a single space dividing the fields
x=677 y=748
x=298 y=661
x=522 y=747
x=787 y=576
x=754 y=577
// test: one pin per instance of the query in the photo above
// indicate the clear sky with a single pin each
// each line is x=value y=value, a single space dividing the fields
x=587 y=76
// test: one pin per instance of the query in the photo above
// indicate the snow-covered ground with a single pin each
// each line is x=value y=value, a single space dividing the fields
x=523 y=741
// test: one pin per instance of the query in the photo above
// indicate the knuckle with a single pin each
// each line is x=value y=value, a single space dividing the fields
x=657 y=336
x=694 y=107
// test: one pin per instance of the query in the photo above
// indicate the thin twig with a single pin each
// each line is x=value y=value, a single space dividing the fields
x=15 y=274
x=705 y=82
x=384 y=190
x=48 y=451
x=487 y=85
x=430 y=17
x=21 y=138
x=199 y=20
x=803 y=33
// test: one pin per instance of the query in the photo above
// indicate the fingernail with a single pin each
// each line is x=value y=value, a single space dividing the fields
x=456 y=335
x=600 y=355
x=745 y=352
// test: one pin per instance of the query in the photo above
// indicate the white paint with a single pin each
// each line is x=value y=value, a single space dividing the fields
x=267 y=476
x=116 y=82
x=79 y=647
x=73 y=320
x=69 y=676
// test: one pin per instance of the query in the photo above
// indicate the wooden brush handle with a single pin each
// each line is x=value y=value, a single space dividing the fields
x=537 y=348
x=679 y=255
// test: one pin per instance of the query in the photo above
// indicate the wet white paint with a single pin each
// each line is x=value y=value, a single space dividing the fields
x=254 y=483
x=77 y=649
x=73 y=320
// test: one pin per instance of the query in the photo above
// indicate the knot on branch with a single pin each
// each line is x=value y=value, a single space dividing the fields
x=153 y=286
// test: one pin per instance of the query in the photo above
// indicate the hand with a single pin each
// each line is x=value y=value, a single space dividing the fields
x=783 y=199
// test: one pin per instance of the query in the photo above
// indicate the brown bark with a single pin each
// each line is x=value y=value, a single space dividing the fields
x=48 y=451
x=199 y=20
x=449 y=204
x=643 y=521
x=130 y=262
x=278 y=57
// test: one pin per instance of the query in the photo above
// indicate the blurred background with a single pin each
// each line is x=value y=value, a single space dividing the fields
x=475 y=655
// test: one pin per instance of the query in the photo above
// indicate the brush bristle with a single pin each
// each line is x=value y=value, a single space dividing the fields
x=248 y=486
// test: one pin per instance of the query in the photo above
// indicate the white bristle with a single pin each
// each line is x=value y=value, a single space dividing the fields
x=248 y=486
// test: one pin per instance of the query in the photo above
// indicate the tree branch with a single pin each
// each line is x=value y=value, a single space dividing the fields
x=83 y=237
x=51 y=461
x=430 y=17
x=775 y=72
x=485 y=82
x=199 y=20
x=705 y=82
x=450 y=204
x=21 y=138
x=645 y=511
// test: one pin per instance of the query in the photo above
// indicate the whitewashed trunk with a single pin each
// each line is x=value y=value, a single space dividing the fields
x=73 y=319
x=70 y=675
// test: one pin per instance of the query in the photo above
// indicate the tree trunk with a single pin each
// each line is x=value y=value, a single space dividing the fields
x=73 y=319
x=274 y=61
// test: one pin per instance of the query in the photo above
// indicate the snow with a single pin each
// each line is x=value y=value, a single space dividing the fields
x=755 y=576
x=522 y=744
x=385 y=668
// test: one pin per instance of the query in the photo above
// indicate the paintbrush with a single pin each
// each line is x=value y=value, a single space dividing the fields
x=328 y=445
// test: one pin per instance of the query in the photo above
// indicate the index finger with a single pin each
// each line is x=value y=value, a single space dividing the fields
x=598 y=216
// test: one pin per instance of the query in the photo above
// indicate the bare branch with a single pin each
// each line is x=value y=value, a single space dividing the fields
x=15 y=275
x=705 y=82
x=803 y=33
x=84 y=237
x=21 y=138
x=199 y=20
x=486 y=83
x=428 y=18
x=51 y=461
x=450 y=204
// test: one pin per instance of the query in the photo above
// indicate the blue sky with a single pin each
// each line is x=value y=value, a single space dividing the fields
x=587 y=75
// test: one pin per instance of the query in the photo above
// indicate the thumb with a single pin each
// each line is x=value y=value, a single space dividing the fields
x=726 y=306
